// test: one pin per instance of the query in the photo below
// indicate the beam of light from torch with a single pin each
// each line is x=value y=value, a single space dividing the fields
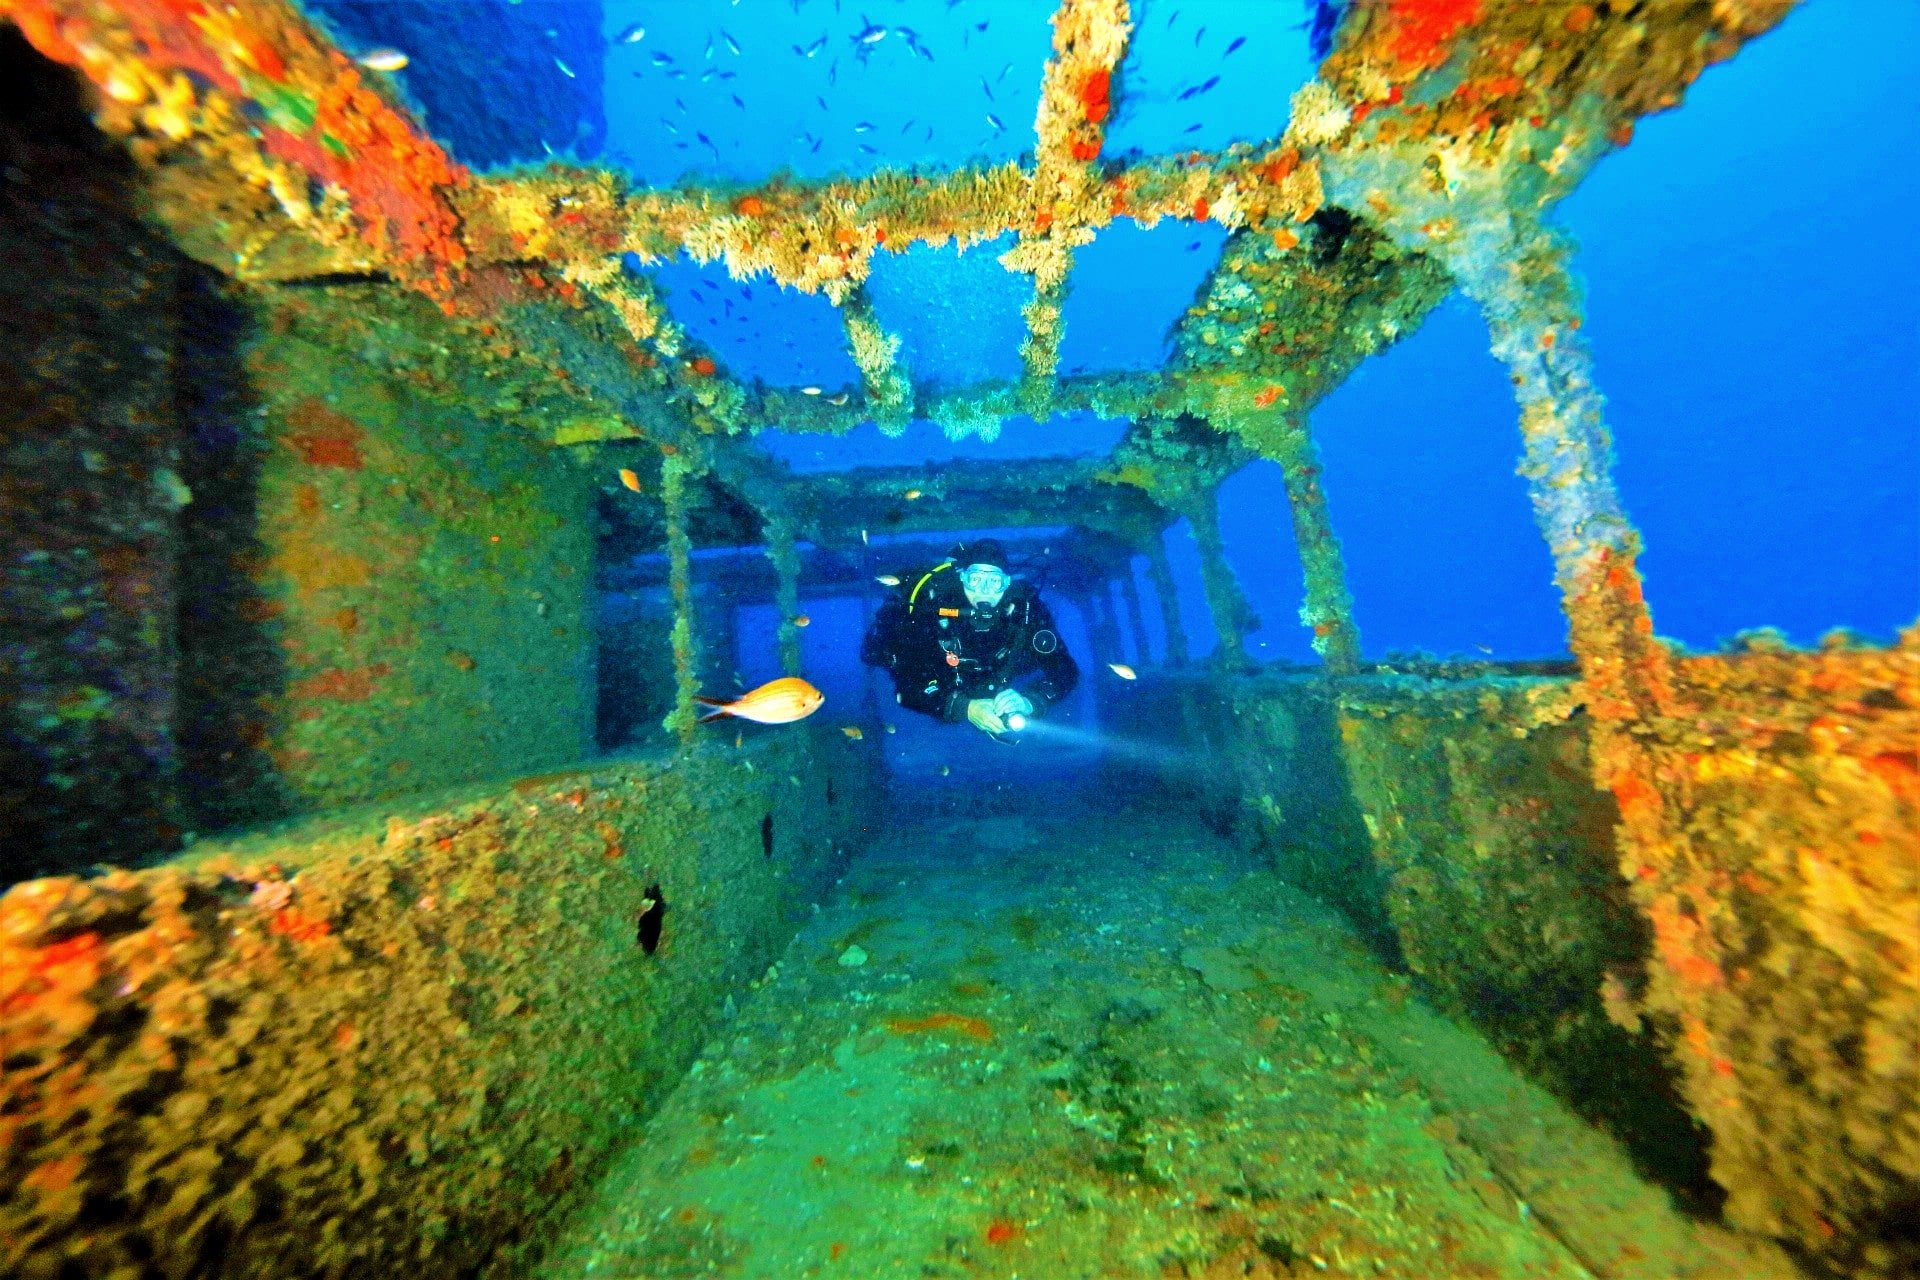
x=1131 y=750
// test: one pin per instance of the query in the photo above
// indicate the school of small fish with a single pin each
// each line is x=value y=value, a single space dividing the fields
x=864 y=39
x=790 y=699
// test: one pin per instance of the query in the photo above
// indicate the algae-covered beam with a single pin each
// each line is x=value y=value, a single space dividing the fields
x=246 y=108
x=889 y=391
x=1328 y=609
x=975 y=495
x=1226 y=603
x=786 y=566
x=1076 y=100
x=1136 y=618
x=272 y=150
x=1167 y=591
x=1521 y=282
x=674 y=469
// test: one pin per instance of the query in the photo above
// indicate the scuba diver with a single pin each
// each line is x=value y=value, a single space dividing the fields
x=966 y=640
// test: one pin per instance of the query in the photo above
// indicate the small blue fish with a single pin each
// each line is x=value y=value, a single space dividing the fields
x=676 y=74
x=994 y=120
x=737 y=102
x=863 y=127
x=565 y=70
x=869 y=150
x=822 y=102
x=1192 y=128
x=814 y=48
x=870 y=32
x=733 y=46
x=986 y=88
x=1237 y=42
x=1198 y=36
x=633 y=34
x=662 y=59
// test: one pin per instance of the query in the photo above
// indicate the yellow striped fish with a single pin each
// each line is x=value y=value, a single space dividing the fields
x=779 y=701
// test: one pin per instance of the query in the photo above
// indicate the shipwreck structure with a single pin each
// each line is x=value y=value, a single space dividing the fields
x=310 y=455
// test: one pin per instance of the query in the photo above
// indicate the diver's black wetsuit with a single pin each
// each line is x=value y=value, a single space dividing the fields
x=943 y=653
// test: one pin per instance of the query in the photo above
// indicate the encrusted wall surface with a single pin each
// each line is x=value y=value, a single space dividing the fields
x=1504 y=892
x=1770 y=830
x=1738 y=938
x=1456 y=823
x=425 y=570
x=266 y=550
x=89 y=487
x=378 y=1042
x=1275 y=775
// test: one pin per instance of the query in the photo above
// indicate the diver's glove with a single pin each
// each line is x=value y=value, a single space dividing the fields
x=1011 y=702
x=981 y=715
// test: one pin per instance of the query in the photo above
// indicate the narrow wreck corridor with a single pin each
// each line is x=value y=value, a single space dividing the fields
x=1088 y=1037
x=1129 y=639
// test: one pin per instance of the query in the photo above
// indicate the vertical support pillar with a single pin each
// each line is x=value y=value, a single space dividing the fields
x=1532 y=306
x=716 y=665
x=786 y=591
x=673 y=496
x=1136 y=619
x=1160 y=572
x=1224 y=599
x=1328 y=608
x=1103 y=631
x=876 y=353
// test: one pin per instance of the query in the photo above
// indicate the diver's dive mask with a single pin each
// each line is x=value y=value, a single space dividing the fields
x=984 y=584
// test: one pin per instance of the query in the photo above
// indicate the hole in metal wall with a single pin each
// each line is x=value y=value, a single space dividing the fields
x=829 y=790
x=653 y=916
x=766 y=835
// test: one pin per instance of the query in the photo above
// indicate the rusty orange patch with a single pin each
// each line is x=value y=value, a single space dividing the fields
x=325 y=437
x=972 y=1028
x=340 y=684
